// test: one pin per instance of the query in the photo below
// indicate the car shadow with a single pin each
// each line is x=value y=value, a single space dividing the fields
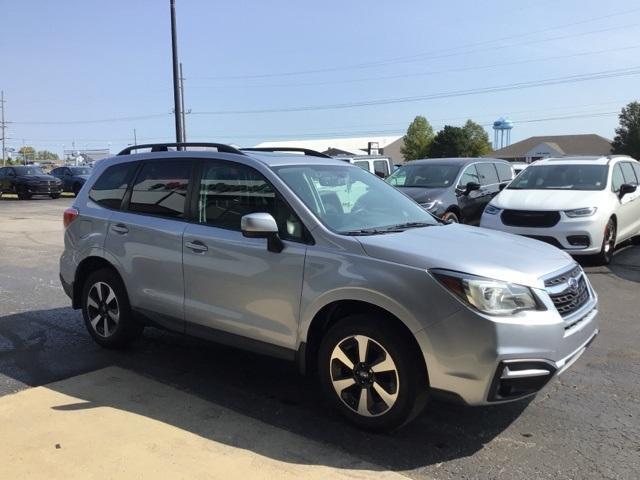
x=44 y=346
x=625 y=263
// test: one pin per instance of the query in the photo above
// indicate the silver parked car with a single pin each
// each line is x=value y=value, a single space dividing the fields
x=318 y=261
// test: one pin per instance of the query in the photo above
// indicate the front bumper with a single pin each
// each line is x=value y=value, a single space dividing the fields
x=577 y=236
x=36 y=189
x=482 y=360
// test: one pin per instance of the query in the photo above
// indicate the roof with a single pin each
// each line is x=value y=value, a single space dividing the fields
x=583 y=144
x=450 y=161
x=351 y=145
x=585 y=159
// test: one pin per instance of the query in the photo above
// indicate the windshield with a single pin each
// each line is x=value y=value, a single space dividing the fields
x=561 y=177
x=81 y=170
x=28 y=171
x=350 y=200
x=424 y=175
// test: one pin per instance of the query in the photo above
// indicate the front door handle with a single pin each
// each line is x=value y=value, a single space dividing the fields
x=120 y=228
x=197 y=246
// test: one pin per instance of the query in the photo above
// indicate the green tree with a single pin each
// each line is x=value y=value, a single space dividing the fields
x=417 y=140
x=46 y=155
x=477 y=141
x=627 y=140
x=27 y=153
x=449 y=142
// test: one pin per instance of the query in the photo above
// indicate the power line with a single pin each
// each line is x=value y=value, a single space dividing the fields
x=422 y=74
x=457 y=93
x=103 y=120
x=439 y=53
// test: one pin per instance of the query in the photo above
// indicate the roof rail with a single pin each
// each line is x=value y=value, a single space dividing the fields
x=164 y=147
x=306 y=151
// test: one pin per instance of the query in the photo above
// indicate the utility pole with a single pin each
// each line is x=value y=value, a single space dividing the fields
x=135 y=138
x=177 y=111
x=3 y=126
x=184 y=121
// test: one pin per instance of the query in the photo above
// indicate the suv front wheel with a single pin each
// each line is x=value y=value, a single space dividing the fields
x=371 y=373
x=106 y=310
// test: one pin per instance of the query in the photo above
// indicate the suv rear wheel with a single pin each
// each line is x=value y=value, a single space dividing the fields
x=106 y=310
x=371 y=374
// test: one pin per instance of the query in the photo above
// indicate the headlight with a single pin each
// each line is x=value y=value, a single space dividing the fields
x=492 y=297
x=492 y=209
x=429 y=205
x=581 y=212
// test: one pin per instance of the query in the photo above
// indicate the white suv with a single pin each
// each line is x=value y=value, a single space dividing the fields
x=583 y=205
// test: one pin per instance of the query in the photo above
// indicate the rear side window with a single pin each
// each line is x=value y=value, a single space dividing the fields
x=362 y=164
x=161 y=188
x=504 y=172
x=228 y=191
x=629 y=175
x=381 y=168
x=636 y=168
x=110 y=188
x=488 y=174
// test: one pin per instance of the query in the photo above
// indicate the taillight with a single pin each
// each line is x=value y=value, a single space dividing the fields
x=69 y=216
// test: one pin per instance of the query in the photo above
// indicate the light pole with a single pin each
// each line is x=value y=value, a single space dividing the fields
x=177 y=111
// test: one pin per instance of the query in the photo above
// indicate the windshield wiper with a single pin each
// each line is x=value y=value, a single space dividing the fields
x=404 y=226
x=371 y=231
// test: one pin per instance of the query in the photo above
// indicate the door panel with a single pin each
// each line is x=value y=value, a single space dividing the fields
x=236 y=285
x=628 y=211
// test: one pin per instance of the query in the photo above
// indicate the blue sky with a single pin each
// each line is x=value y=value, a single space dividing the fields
x=86 y=61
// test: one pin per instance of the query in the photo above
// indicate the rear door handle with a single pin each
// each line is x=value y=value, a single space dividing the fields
x=197 y=246
x=119 y=228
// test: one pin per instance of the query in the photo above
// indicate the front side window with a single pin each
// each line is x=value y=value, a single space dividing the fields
x=436 y=175
x=228 y=191
x=617 y=178
x=161 y=188
x=561 y=177
x=487 y=173
x=111 y=186
x=351 y=201
x=629 y=175
x=470 y=175
x=80 y=171
x=504 y=172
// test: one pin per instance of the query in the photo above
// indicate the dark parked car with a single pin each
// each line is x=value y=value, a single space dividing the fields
x=454 y=189
x=72 y=178
x=27 y=181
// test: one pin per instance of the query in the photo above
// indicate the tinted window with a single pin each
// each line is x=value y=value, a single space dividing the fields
x=487 y=173
x=228 y=191
x=80 y=170
x=28 y=170
x=56 y=171
x=470 y=174
x=161 y=188
x=617 y=178
x=381 y=168
x=504 y=172
x=561 y=177
x=629 y=175
x=3 y=172
x=110 y=188
x=424 y=175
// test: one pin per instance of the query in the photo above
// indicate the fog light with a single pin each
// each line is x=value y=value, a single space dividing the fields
x=517 y=379
x=578 y=240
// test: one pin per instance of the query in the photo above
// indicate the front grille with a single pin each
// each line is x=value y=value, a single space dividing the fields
x=530 y=218
x=549 y=240
x=568 y=291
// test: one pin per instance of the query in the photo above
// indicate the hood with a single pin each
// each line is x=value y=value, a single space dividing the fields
x=38 y=178
x=547 y=199
x=82 y=177
x=423 y=194
x=474 y=250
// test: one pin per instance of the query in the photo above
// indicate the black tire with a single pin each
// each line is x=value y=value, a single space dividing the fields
x=76 y=189
x=107 y=331
x=450 y=217
x=409 y=383
x=608 y=244
x=55 y=196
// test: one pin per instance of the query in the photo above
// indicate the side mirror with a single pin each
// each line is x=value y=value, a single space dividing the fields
x=626 y=188
x=471 y=186
x=262 y=225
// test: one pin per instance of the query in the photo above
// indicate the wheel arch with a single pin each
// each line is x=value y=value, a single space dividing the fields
x=85 y=268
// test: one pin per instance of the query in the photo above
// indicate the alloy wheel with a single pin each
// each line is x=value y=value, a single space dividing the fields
x=609 y=238
x=364 y=376
x=103 y=309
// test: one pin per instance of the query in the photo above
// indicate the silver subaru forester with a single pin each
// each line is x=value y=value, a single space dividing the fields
x=318 y=261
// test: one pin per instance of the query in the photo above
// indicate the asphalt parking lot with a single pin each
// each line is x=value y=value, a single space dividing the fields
x=585 y=424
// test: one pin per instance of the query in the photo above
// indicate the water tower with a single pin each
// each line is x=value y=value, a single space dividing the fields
x=502 y=133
